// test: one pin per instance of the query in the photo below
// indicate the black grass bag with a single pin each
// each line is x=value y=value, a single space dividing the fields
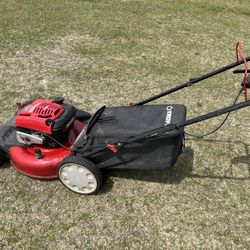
x=110 y=125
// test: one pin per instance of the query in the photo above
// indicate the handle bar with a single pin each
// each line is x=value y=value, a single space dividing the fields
x=192 y=81
x=240 y=71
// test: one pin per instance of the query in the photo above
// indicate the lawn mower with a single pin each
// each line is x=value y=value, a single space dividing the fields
x=47 y=139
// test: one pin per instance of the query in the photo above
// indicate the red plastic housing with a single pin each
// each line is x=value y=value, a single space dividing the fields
x=24 y=159
x=33 y=116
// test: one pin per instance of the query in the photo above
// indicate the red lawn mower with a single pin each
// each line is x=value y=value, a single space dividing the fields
x=48 y=139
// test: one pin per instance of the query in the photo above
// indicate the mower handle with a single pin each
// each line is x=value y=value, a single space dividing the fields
x=192 y=81
x=241 y=71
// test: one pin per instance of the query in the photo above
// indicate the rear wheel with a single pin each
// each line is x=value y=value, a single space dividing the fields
x=80 y=175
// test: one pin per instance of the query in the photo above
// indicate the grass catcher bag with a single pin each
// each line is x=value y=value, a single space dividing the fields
x=110 y=125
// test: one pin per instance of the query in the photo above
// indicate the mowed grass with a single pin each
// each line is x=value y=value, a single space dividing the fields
x=115 y=52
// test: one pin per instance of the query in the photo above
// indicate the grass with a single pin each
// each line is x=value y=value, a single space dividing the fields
x=114 y=52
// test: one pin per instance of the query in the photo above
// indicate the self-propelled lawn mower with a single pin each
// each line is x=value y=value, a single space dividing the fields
x=48 y=139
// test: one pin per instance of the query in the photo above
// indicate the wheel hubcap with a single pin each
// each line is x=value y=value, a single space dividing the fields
x=78 y=178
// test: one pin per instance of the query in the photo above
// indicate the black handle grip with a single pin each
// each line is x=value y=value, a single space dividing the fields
x=240 y=71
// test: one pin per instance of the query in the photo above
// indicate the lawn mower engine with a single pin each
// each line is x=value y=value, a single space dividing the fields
x=45 y=132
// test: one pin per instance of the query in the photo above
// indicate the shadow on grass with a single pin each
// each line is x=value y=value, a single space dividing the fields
x=5 y=164
x=182 y=169
x=240 y=159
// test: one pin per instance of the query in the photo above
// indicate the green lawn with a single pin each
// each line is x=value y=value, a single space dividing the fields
x=115 y=52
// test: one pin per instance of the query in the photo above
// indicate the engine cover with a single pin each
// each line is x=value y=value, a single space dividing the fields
x=46 y=116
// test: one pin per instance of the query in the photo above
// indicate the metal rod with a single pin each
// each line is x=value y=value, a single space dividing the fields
x=192 y=81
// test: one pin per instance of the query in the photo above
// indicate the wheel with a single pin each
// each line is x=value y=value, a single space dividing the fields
x=80 y=175
x=2 y=157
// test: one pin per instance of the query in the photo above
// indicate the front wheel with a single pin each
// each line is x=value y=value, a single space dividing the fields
x=80 y=175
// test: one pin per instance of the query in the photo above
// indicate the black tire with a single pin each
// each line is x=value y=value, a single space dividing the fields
x=80 y=175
